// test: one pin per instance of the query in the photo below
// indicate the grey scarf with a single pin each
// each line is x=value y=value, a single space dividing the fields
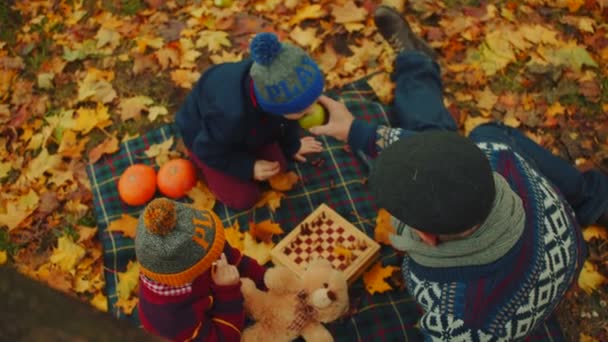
x=498 y=233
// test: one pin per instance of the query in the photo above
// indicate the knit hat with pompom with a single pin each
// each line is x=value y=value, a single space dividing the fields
x=285 y=79
x=175 y=243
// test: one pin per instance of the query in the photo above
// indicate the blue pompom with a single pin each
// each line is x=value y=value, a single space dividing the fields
x=265 y=47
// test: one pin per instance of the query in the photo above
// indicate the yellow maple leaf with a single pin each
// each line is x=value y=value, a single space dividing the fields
x=45 y=80
x=3 y=257
x=315 y=11
x=100 y=302
x=144 y=41
x=167 y=56
x=486 y=100
x=160 y=152
x=126 y=224
x=343 y=251
x=226 y=57
x=156 y=111
x=185 y=78
x=128 y=280
x=260 y=251
x=67 y=254
x=234 y=236
x=71 y=146
x=590 y=279
x=384 y=229
x=383 y=86
x=595 y=232
x=127 y=305
x=132 y=107
x=19 y=209
x=284 y=181
x=86 y=233
x=5 y=168
x=555 y=109
x=306 y=37
x=586 y=338
x=213 y=40
x=202 y=197
x=41 y=164
x=109 y=37
x=271 y=198
x=374 y=278
x=108 y=146
x=349 y=13
x=96 y=86
x=264 y=230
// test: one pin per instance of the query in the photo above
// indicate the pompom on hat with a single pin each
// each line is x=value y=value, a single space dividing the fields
x=285 y=79
x=175 y=243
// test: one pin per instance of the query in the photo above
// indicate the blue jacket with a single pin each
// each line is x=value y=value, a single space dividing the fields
x=223 y=126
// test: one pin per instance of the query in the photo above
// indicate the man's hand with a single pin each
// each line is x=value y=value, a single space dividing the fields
x=340 y=120
x=224 y=274
x=264 y=169
x=308 y=145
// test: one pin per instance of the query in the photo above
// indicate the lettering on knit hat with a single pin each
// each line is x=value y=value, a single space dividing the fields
x=287 y=89
x=200 y=230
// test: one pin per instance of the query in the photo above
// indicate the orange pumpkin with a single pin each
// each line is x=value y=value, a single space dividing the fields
x=137 y=184
x=176 y=177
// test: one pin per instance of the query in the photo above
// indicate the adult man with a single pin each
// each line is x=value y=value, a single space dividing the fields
x=490 y=224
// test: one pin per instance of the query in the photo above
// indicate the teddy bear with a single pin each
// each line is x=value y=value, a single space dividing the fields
x=295 y=306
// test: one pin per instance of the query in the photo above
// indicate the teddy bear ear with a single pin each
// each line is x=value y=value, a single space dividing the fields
x=319 y=262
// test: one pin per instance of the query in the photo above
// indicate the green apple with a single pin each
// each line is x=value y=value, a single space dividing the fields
x=315 y=117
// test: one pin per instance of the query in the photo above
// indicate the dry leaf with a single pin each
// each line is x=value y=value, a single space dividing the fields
x=160 y=152
x=126 y=224
x=264 y=230
x=100 y=302
x=128 y=280
x=374 y=278
x=108 y=146
x=96 y=86
x=259 y=251
x=156 y=111
x=67 y=254
x=127 y=305
x=234 y=236
x=185 y=78
x=349 y=13
x=131 y=108
x=272 y=199
x=213 y=40
x=19 y=209
x=202 y=197
x=595 y=232
x=308 y=12
x=86 y=233
x=590 y=279
x=284 y=181
x=306 y=37
x=384 y=229
x=3 y=257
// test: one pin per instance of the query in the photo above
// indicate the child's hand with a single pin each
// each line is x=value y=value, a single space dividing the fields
x=224 y=274
x=264 y=169
x=308 y=145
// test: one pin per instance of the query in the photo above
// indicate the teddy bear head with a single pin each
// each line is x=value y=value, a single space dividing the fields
x=326 y=290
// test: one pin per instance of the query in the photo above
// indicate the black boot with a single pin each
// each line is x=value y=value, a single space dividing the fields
x=398 y=33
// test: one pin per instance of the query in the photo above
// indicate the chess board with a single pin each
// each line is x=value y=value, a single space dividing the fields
x=325 y=234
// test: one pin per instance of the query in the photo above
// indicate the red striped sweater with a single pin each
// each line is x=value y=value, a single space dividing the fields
x=200 y=311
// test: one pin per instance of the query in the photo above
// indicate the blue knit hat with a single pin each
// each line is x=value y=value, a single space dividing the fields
x=285 y=79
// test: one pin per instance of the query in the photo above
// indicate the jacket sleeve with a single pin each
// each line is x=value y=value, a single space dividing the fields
x=216 y=146
x=290 y=138
x=248 y=267
x=181 y=315
x=372 y=139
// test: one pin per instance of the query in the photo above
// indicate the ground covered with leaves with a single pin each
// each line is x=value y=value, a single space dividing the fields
x=77 y=77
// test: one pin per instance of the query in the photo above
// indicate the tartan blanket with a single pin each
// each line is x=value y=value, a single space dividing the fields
x=338 y=182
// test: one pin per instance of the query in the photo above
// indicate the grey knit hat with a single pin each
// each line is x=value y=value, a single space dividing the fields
x=285 y=79
x=175 y=243
x=436 y=182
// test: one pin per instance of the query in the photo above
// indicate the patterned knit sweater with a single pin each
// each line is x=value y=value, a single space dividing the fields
x=507 y=299
x=200 y=311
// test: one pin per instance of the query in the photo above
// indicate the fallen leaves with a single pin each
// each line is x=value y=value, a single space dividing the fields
x=590 y=279
x=126 y=224
x=126 y=287
x=284 y=181
x=374 y=279
x=202 y=197
x=384 y=229
x=265 y=230
x=258 y=250
x=67 y=254
x=107 y=146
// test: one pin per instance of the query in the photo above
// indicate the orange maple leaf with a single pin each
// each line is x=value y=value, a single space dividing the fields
x=126 y=224
x=264 y=230
x=374 y=278
x=595 y=232
x=110 y=145
x=272 y=199
x=234 y=236
x=127 y=305
x=384 y=228
x=284 y=181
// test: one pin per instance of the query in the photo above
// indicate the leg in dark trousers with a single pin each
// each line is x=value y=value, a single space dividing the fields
x=586 y=192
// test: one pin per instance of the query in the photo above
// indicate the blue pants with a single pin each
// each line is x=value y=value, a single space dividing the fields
x=418 y=106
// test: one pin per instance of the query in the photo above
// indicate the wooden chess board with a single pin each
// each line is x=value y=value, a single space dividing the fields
x=325 y=234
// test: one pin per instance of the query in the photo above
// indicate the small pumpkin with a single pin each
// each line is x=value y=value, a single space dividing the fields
x=176 y=177
x=137 y=184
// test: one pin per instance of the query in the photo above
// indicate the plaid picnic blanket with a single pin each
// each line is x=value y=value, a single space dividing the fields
x=338 y=182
